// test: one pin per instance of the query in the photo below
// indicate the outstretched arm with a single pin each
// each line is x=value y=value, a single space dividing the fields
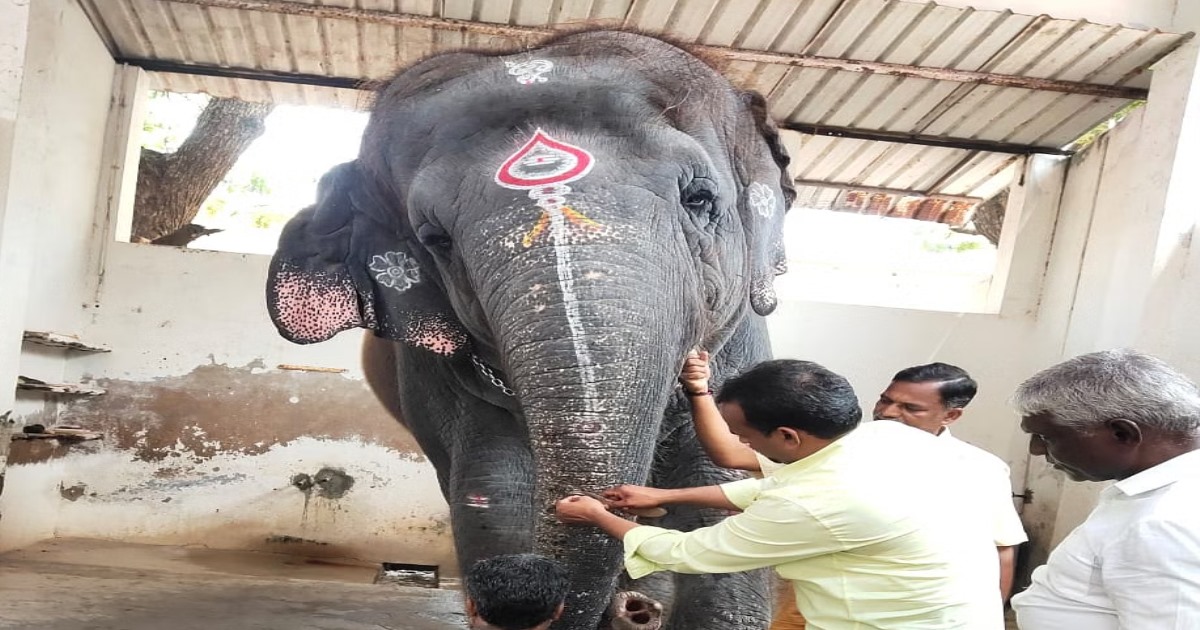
x=722 y=447
x=641 y=497
x=768 y=533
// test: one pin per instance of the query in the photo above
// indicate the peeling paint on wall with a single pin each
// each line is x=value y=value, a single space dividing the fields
x=217 y=409
x=361 y=502
x=234 y=458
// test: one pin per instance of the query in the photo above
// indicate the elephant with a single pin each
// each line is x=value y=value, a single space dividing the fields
x=534 y=241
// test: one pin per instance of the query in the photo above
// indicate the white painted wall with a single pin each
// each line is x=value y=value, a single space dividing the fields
x=15 y=222
x=65 y=86
x=223 y=476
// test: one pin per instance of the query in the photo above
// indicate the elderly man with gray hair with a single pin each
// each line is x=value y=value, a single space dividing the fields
x=1134 y=564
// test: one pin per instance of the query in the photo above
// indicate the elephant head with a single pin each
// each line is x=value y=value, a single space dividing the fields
x=577 y=217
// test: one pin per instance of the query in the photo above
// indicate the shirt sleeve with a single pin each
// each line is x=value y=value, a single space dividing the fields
x=1007 y=527
x=772 y=531
x=1152 y=574
x=742 y=492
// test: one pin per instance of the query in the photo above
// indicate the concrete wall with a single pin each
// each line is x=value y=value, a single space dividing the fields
x=16 y=224
x=208 y=442
x=203 y=435
x=51 y=175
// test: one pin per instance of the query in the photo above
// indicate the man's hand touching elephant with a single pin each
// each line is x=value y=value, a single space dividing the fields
x=579 y=509
x=695 y=373
x=629 y=497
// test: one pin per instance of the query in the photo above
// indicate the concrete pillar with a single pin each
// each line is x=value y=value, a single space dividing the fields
x=1168 y=327
x=16 y=224
x=1138 y=285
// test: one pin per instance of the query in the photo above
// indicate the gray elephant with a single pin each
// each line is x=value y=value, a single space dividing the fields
x=536 y=240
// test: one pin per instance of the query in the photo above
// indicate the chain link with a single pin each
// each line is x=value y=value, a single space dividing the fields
x=491 y=376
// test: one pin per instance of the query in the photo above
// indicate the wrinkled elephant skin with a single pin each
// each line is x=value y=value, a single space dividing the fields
x=535 y=241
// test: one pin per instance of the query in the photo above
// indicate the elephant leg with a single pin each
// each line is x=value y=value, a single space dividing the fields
x=717 y=601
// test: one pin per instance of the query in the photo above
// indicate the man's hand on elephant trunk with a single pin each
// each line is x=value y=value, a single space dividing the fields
x=578 y=509
x=638 y=500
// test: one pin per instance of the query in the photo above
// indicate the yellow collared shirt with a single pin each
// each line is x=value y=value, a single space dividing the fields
x=875 y=530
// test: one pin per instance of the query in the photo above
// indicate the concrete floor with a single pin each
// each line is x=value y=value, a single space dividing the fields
x=95 y=585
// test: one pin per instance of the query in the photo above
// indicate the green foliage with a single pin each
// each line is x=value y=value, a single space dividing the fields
x=949 y=246
x=170 y=117
x=265 y=220
x=1104 y=127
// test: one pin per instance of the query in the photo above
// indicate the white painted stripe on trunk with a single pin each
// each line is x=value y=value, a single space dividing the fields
x=566 y=284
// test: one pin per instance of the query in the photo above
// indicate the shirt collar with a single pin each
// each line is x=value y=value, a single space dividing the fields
x=1164 y=474
x=945 y=433
x=817 y=458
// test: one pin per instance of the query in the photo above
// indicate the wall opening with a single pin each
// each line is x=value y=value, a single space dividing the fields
x=859 y=259
x=267 y=181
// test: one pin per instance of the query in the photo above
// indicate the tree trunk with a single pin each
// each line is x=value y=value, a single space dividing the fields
x=989 y=217
x=172 y=187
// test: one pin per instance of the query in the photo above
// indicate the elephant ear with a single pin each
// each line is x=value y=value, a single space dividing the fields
x=767 y=192
x=339 y=265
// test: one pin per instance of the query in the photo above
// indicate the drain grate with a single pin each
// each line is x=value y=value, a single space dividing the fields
x=421 y=575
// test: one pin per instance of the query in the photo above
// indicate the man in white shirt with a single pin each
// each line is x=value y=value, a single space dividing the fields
x=930 y=398
x=1134 y=564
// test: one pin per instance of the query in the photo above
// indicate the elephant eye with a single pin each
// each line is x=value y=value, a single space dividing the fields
x=433 y=237
x=698 y=196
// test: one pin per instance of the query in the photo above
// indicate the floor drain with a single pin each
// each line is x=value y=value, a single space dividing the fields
x=422 y=575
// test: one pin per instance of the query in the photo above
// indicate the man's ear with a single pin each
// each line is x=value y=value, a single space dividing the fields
x=1125 y=432
x=790 y=435
x=952 y=415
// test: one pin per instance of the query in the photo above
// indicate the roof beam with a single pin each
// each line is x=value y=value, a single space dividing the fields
x=929 y=141
x=896 y=192
x=351 y=83
x=520 y=33
x=253 y=74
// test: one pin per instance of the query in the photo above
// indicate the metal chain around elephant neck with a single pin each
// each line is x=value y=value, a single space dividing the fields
x=490 y=375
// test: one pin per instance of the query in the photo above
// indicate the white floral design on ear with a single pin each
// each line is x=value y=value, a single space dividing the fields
x=762 y=199
x=395 y=270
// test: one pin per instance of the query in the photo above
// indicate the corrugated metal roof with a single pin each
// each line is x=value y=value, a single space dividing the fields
x=310 y=37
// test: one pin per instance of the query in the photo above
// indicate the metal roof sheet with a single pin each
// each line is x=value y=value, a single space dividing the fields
x=369 y=39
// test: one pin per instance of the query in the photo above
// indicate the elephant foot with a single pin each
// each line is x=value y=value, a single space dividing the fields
x=632 y=610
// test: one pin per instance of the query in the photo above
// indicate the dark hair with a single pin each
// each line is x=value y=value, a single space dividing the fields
x=957 y=388
x=797 y=394
x=517 y=591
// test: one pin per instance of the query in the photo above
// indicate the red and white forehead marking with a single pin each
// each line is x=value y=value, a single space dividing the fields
x=543 y=161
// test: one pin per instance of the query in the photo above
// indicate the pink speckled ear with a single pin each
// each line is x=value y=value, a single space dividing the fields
x=311 y=307
x=347 y=262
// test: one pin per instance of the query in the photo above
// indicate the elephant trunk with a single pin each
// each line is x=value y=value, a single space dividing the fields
x=593 y=400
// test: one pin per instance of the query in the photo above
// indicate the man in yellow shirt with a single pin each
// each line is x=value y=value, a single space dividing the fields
x=869 y=524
